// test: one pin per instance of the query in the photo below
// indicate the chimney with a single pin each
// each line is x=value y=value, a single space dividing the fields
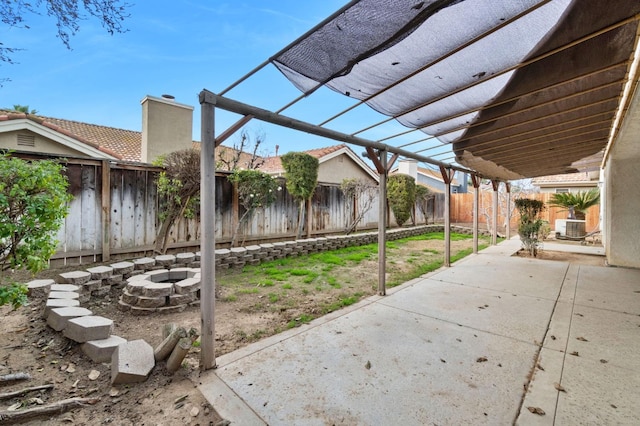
x=167 y=126
x=408 y=167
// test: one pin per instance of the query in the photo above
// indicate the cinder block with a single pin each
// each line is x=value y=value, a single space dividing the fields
x=131 y=362
x=102 y=350
x=74 y=277
x=151 y=302
x=84 y=329
x=58 y=317
x=39 y=288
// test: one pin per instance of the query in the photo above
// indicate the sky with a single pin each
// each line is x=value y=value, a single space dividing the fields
x=171 y=47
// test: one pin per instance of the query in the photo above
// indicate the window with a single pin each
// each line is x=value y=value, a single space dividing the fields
x=559 y=190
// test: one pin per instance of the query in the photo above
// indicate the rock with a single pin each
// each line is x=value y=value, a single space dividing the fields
x=131 y=362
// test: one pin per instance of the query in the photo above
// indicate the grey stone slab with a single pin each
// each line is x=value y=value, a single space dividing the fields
x=59 y=303
x=91 y=285
x=227 y=403
x=144 y=263
x=187 y=286
x=100 y=272
x=131 y=362
x=185 y=257
x=176 y=274
x=159 y=275
x=137 y=286
x=39 y=288
x=428 y=373
x=74 y=277
x=150 y=302
x=157 y=290
x=84 y=329
x=64 y=287
x=58 y=317
x=165 y=259
x=64 y=295
x=123 y=267
x=102 y=350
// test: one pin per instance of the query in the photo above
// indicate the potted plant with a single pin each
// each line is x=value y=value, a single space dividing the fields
x=531 y=227
x=576 y=202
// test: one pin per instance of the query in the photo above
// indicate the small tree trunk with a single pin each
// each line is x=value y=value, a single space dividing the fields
x=178 y=354
x=167 y=346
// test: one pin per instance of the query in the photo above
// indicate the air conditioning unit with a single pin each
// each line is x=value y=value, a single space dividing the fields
x=561 y=227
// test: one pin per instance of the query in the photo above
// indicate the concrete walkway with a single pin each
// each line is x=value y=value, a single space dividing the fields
x=477 y=343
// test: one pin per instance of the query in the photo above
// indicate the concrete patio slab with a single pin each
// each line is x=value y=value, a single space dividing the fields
x=456 y=346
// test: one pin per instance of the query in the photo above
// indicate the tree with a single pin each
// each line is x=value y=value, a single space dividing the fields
x=401 y=193
x=179 y=188
x=423 y=195
x=256 y=190
x=24 y=109
x=360 y=195
x=67 y=13
x=578 y=202
x=237 y=158
x=301 y=173
x=33 y=202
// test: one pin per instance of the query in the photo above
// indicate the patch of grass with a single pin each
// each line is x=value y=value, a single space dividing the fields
x=333 y=282
x=230 y=298
x=329 y=257
x=273 y=298
x=258 y=334
x=357 y=257
x=302 y=319
x=300 y=272
x=341 y=303
x=287 y=286
x=266 y=283
x=432 y=251
x=310 y=278
x=305 y=291
x=196 y=344
x=248 y=291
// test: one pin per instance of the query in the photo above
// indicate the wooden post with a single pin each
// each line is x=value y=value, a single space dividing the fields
x=382 y=226
x=235 y=209
x=309 y=216
x=106 y=211
x=494 y=234
x=207 y=241
x=447 y=177
x=507 y=185
x=475 y=180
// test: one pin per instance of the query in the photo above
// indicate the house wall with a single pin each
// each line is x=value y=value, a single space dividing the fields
x=572 y=188
x=9 y=140
x=341 y=167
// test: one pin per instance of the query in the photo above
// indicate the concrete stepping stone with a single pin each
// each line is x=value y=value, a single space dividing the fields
x=102 y=350
x=39 y=288
x=144 y=263
x=131 y=362
x=64 y=287
x=84 y=329
x=74 y=277
x=64 y=295
x=183 y=258
x=59 y=303
x=100 y=272
x=58 y=317
x=123 y=268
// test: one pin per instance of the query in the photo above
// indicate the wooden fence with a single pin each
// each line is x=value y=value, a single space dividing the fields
x=114 y=214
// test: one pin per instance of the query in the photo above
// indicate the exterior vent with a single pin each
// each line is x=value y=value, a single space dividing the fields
x=26 y=140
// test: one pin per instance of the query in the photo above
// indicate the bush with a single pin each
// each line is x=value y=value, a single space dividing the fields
x=401 y=193
x=33 y=202
x=530 y=224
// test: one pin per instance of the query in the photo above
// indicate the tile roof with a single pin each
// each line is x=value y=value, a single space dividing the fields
x=274 y=164
x=120 y=143
x=562 y=179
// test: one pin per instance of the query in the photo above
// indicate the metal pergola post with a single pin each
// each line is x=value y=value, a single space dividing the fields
x=447 y=177
x=475 y=180
x=382 y=227
x=507 y=186
x=494 y=235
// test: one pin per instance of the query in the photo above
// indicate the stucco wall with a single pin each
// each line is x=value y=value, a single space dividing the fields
x=9 y=140
x=339 y=168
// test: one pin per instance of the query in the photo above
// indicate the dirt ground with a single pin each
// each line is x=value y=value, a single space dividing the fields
x=28 y=345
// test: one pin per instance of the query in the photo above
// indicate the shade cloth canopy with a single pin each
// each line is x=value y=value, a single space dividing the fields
x=517 y=88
